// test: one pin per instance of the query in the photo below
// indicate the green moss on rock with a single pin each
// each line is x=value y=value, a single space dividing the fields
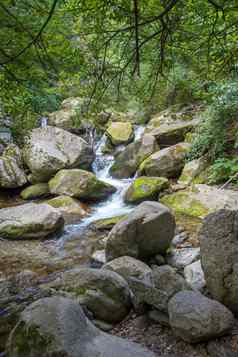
x=145 y=188
x=35 y=191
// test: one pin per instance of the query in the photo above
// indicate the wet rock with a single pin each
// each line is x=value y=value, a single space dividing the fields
x=71 y=209
x=35 y=191
x=179 y=239
x=50 y=149
x=195 y=318
x=167 y=162
x=180 y=258
x=12 y=174
x=80 y=184
x=127 y=162
x=219 y=349
x=120 y=132
x=57 y=326
x=145 y=188
x=194 y=275
x=105 y=293
x=219 y=256
x=146 y=231
x=200 y=200
x=29 y=221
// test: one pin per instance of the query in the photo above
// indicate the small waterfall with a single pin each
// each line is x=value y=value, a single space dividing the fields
x=43 y=122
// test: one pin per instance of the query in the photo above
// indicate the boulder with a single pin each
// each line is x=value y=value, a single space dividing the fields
x=200 y=200
x=80 y=184
x=12 y=174
x=28 y=221
x=57 y=326
x=165 y=283
x=145 y=188
x=173 y=133
x=195 y=318
x=105 y=293
x=167 y=162
x=72 y=103
x=130 y=268
x=50 y=149
x=128 y=161
x=35 y=191
x=194 y=172
x=64 y=119
x=180 y=258
x=219 y=256
x=194 y=275
x=120 y=133
x=71 y=209
x=145 y=232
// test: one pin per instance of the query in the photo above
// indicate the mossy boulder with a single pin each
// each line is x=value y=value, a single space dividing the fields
x=35 y=191
x=107 y=223
x=120 y=132
x=50 y=149
x=80 y=184
x=127 y=162
x=171 y=134
x=57 y=326
x=12 y=174
x=105 y=293
x=167 y=162
x=71 y=209
x=194 y=172
x=29 y=221
x=200 y=200
x=145 y=188
x=64 y=119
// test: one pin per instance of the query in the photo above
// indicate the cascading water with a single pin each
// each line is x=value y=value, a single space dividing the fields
x=114 y=205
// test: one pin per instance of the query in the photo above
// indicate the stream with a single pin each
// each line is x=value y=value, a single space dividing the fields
x=112 y=206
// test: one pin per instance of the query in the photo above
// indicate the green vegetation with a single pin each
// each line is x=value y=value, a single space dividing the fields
x=126 y=55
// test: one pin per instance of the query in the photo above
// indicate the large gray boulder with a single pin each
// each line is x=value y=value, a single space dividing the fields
x=145 y=232
x=130 y=268
x=167 y=162
x=127 y=162
x=195 y=318
x=29 y=221
x=219 y=256
x=80 y=184
x=49 y=149
x=105 y=293
x=58 y=327
x=12 y=174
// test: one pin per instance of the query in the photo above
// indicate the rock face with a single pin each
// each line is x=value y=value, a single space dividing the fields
x=173 y=133
x=104 y=293
x=200 y=200
x=49 y=149
x=12 y=174
x=120 y=132
x=145 y=232
x=166 y=163
x=71 y=209
x=195 y=318
x=58 y=327
x=35 y=191
x=219 y=256
x=29 y=221
x=80 y=184
x=145 y=188
x=127 y=162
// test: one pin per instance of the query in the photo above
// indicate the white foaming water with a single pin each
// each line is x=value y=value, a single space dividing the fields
x=43 y=122
x=114 y=205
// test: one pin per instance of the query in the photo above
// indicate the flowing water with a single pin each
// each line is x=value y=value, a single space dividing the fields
x=112 y=206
